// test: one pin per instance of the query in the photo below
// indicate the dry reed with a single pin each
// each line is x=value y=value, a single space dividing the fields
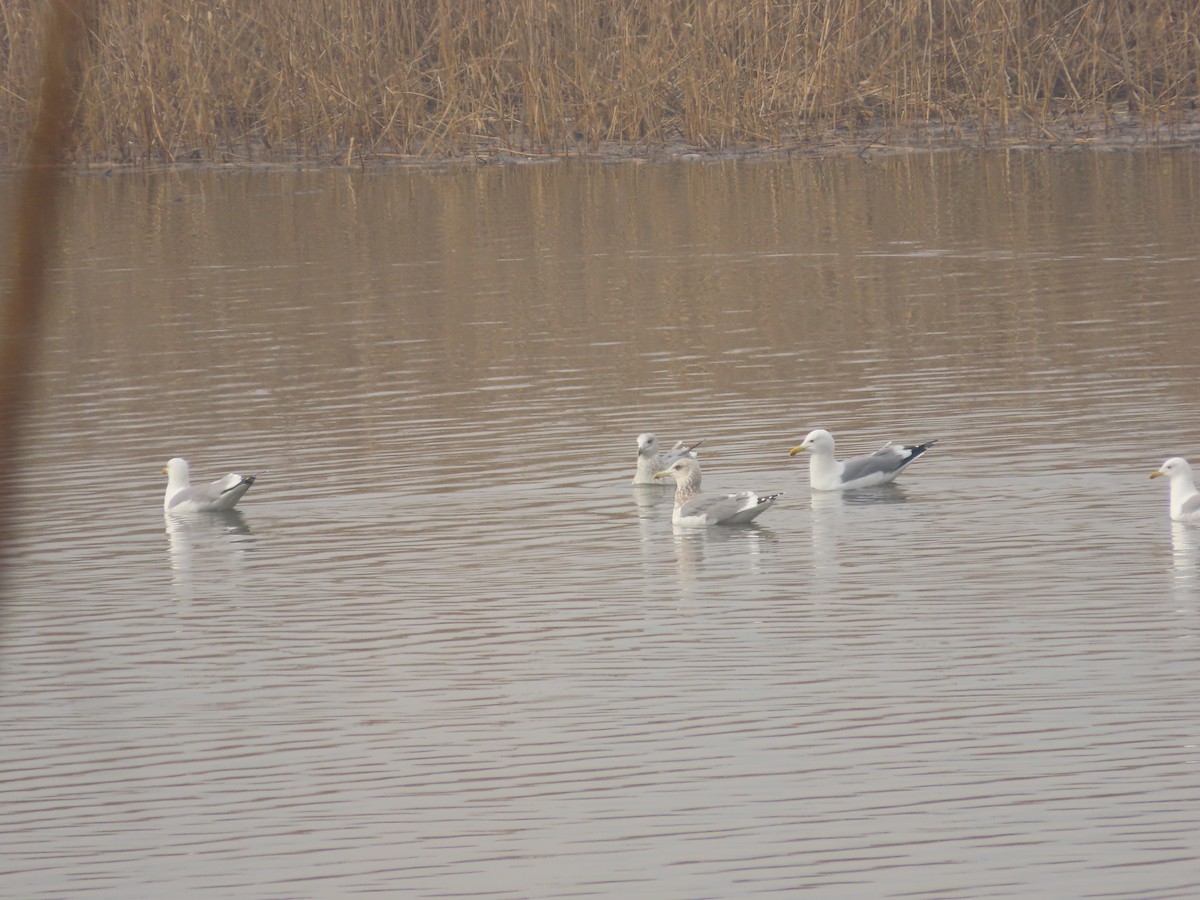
x=335 y=78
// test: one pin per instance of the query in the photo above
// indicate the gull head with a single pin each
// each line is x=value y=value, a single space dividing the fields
x=816 y=441
x=682 y=470
x=647 y=445
x=1175 y=467
x=176 y=468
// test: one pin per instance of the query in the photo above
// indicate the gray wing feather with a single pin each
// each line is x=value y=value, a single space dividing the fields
x=749 y=512
x=889 y=459
x=225 y=492
x=679 y=451
x=200 y=493
x=728 y=508
x=228 y=483
x=715 y=506
x=1191 y=505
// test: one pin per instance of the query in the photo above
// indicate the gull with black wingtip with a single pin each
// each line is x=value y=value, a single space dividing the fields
x=695 y=508
x=826 y=473
x=184 y=497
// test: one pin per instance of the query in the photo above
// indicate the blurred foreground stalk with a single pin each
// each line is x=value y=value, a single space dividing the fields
x=34 y=226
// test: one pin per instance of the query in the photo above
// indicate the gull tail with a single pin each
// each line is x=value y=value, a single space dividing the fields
x=918 y=449
x=247 y=480
x=761 y=503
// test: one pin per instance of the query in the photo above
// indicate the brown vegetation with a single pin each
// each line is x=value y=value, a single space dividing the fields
x=171 y=79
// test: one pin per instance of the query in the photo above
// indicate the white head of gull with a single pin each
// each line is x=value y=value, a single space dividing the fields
x=1185 y=501
x=650 y=459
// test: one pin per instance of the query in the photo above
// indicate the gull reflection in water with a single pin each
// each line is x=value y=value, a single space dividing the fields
x=205 y=541
x=719 y=552
x=828 y=508
x=881 y=495
x=654 y=505
x=1185 y=540
x=653 y=499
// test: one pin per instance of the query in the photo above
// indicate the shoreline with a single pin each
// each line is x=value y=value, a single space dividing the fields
x=1123 y=133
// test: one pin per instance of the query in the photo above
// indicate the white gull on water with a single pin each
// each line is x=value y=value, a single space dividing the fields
x=650 y=460
x=1185 y=501
x=184 y=497
x=694 y=508
x=825 y=473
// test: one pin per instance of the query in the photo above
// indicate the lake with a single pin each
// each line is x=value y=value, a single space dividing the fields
x=444 y=647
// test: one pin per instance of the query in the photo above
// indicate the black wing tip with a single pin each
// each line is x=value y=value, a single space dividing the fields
x=247 y=480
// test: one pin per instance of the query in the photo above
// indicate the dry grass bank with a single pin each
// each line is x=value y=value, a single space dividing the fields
x=263 y=79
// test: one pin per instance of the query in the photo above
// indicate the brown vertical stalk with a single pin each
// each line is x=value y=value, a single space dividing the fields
x=34 y=229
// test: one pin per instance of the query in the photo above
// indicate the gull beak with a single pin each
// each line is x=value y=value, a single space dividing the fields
x=796 y=450
x=663 y=474
x=1153 y=474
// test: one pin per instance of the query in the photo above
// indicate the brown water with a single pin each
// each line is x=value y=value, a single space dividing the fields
x=444 y=647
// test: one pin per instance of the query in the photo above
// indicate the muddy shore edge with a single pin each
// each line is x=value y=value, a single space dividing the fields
x=1114 y=134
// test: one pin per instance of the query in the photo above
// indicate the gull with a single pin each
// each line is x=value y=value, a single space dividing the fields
x=694 y=508
x=183 y=497
x=827 y=474
x=1185 y=502
x=650 y=460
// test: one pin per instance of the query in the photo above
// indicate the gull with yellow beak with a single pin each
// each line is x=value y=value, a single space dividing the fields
x=1185 y=501
x=184 y=497
x=694 y=508
x=825 y=473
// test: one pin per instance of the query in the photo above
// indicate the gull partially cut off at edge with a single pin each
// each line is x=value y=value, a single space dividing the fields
x=694 y=508
x=826 y=473
x=184 y=497
x=1185 y=501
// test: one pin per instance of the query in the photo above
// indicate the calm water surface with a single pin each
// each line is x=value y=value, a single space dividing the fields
x=443 y=647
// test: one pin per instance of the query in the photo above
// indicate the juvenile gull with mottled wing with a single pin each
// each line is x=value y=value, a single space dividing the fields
x=825 y=473
x=694 y=508
x=650 y=460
